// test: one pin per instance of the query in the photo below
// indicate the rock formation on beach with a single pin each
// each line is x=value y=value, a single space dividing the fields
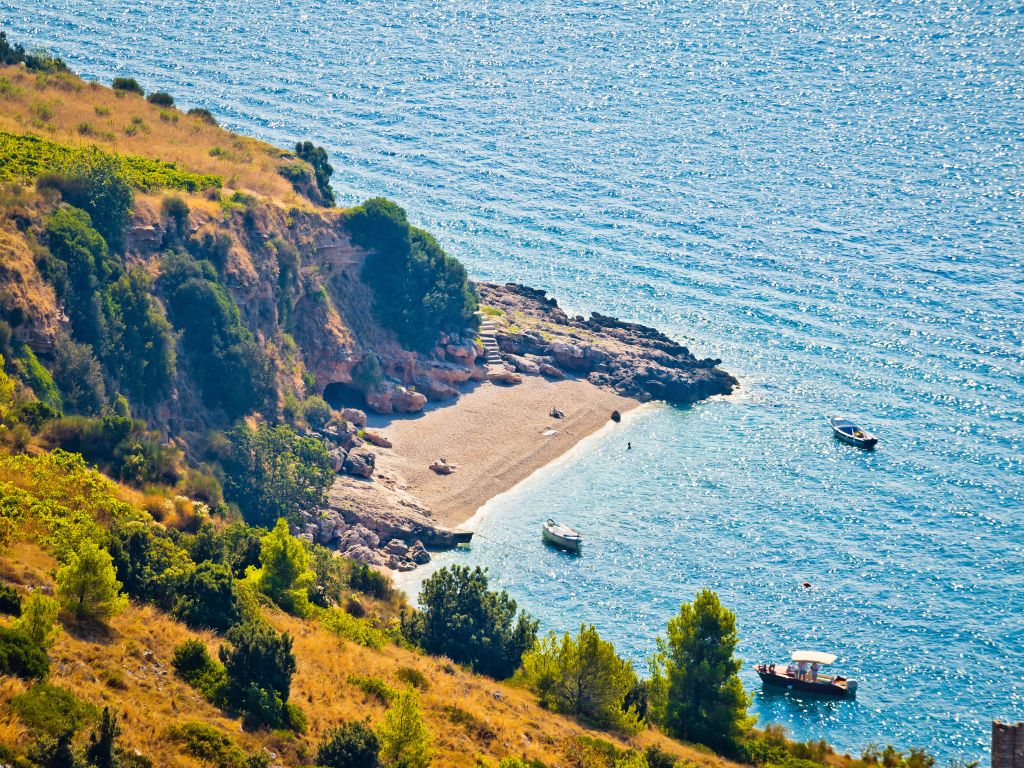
x=537 y=338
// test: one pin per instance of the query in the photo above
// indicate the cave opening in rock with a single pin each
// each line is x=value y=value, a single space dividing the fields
x=339 y=395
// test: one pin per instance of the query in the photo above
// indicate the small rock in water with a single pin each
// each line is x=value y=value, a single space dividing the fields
x=616 y=417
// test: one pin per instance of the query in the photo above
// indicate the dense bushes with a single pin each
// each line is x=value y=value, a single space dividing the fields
x=10 y=600
x=206 y=743
x=352 y=745
x=127 y=84
x=21 y=657
x=51 y=710
x=419 y=291
x=139 y=343
x=161 y=99
x=317 y=157
x=35 y=60
x=78 y=377
x=273 y=473
x=119 y=445
x=259 y=665
x=231 y=369
x=207 y=599
x=464 y=621
x=583 y=676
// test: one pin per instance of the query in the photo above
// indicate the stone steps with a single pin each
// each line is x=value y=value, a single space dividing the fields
x=492 y=354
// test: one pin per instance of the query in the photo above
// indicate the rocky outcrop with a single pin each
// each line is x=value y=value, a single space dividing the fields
x=378 y=523
x=635 y=360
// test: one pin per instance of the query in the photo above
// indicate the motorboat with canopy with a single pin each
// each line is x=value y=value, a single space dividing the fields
x=803 y=674
x=851 y=434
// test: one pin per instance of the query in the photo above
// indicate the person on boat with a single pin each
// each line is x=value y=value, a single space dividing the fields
x=814 y=672
x=791 y=669
x=801 y=670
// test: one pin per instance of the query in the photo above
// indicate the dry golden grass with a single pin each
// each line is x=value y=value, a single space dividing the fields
x=69 y=110
x=129 y=669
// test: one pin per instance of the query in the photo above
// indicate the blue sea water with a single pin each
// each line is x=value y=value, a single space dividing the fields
x=827 y=195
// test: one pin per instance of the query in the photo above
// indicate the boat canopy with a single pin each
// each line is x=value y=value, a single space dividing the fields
x=814 y=656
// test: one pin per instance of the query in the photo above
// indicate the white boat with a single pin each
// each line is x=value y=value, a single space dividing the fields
x=562 y=536
x=803 y=675
x=851 y=434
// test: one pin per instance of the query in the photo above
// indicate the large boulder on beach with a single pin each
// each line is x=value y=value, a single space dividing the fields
x=546 y=369
x=523 y=365
x=354 y=416
x=507 y=378
x=360 y=463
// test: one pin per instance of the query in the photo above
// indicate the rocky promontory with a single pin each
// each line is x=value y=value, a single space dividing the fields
x=536 y=337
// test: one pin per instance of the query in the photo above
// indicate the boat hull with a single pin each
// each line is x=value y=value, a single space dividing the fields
x=857 y=442
x=831 y=690
x=570 y=545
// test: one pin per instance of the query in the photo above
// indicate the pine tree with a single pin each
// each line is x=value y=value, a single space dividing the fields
x=87 y=584
x=696 y=693
x=404 y=739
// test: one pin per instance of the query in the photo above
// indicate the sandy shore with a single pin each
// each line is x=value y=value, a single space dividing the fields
x=494 y=435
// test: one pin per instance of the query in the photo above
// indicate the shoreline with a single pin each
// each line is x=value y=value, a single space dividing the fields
x=496 y=437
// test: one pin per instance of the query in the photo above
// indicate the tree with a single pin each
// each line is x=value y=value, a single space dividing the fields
x=84 y=268
x=583 y=676
x=274 y=473
x=139 y=343
x=100 y=751
x=259 y=665
x=404 y=738
x=322 y=169
x=285 y=575
x=696 y=693
x=95 y=182
x=419 y=290
x=87 y=584
x=38 y=619
x=78 y=376
x=461 y=619
x=207 y=599
x=352 y=745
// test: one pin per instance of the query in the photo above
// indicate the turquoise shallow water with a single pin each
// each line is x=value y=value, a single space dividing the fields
x=826 y=195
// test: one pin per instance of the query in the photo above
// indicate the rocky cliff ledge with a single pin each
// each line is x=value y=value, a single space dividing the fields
x=536 y=337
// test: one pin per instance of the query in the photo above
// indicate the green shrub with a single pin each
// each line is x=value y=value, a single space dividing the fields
x=51 y=710
x=359 y=631
x=210 y=745
x=127 y=84
x=21 y=657
x=38 y=620
x=273 y=473
x=231 y=369
x=463 y=620
x=78 y=377
x=317 y=412
x=207 y=599
x=193 y=663
x=203 y=114
x=38 y=60
x=405 y=741
x=352 y=745
x=365 y=579
x=84 y=266
x=412 y=676
x=259 y=665
x=317 y=157
x=10 y=600
x=177 y=211
x=373 y=687
x=39 y=380
x=419 y=291
x=161 y=99
x=476 y=727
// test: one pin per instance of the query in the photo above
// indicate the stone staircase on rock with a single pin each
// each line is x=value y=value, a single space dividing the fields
x=491 y=353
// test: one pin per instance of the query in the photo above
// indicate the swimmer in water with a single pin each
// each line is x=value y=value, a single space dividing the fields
x=629 y=446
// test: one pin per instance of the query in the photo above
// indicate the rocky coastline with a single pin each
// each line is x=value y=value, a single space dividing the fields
x=374 y=516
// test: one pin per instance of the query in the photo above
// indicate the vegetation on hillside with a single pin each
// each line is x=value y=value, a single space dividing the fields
x=419 y=290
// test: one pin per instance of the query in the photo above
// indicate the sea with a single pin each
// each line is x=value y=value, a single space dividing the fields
x=825 y=194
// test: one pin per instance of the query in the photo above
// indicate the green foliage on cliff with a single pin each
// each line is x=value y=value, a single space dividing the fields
x=322 y=169
x=419 y=290
x=27 y=157
x=273 y=473
x=466 y=622
x=230 y=367
x=37 y=60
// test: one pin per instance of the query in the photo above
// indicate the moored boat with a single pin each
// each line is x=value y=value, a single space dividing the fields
x=562 y=536
x=802 y=674
x=851 y=434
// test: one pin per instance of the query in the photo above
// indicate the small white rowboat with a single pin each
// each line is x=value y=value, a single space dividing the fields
x=562 y=536
x=850 y=433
